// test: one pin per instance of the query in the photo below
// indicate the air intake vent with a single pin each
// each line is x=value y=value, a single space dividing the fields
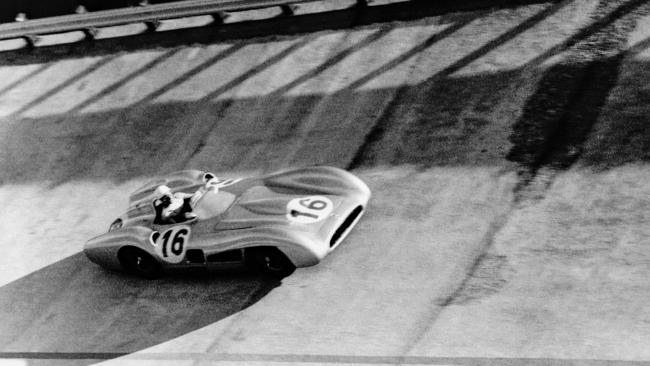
x=338 y=234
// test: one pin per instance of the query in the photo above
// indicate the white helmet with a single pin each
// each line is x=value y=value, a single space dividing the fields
x=162 y=191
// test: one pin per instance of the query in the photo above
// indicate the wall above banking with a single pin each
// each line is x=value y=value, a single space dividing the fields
x=41 y=9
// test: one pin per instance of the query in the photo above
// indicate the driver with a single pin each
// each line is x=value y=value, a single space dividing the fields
x=172 y=208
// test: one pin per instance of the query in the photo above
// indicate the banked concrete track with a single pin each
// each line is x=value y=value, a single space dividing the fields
x=494 y=235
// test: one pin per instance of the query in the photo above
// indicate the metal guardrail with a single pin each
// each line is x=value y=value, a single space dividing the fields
x=149 y=14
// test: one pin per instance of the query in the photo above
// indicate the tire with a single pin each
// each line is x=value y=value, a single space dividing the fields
x=140 y=263
x=270 y=261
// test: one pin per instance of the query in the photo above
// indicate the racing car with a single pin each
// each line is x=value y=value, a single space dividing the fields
x=272 y=224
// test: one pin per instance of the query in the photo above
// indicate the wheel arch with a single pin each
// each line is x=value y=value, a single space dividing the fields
x=155 y=270
x=269 y=260
x=124 y=249
x=104 y=249
x=299 y=255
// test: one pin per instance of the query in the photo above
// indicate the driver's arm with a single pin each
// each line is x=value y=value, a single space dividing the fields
x=158 y=208
x=187 y=203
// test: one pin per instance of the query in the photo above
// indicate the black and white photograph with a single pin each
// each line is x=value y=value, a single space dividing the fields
x=325 y=182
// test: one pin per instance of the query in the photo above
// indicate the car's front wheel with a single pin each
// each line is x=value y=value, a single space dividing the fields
x=140 y=263
x=269 y=260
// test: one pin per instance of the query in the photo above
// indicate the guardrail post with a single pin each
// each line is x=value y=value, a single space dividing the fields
x=289 y=9
x=91 y=32
x=30 y=39
x=153 y=24
x=219 y=17
x=92 y=22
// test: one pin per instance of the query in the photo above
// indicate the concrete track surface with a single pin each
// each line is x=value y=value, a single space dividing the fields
x=506 y=147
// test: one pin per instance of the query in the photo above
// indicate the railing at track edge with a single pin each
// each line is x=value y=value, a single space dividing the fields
x=151 y=15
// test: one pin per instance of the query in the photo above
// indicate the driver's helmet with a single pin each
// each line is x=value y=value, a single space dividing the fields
x=163 y=191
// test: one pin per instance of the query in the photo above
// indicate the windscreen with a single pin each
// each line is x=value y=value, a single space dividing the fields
x=210 y=203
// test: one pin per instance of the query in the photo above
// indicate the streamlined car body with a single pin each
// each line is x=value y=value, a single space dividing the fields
x=272 y=223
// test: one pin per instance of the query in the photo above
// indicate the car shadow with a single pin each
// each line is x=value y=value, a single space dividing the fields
x=73 y=311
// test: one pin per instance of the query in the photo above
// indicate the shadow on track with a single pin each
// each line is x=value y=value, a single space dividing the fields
x=74 y=310
x=122 y=144
x=558 y=120
x=147 y=137
x=465 y=127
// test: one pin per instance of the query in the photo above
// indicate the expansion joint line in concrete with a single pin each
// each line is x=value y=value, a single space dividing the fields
x=487 y=242
x=480 y=254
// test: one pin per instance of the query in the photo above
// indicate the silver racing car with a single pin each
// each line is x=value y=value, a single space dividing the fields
x=272 y=223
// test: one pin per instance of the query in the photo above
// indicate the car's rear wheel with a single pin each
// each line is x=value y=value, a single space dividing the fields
x=270 y=261
x=140 y=263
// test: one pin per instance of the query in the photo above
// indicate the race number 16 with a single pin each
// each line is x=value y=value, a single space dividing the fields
x=309 y=209
x=171 y=244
